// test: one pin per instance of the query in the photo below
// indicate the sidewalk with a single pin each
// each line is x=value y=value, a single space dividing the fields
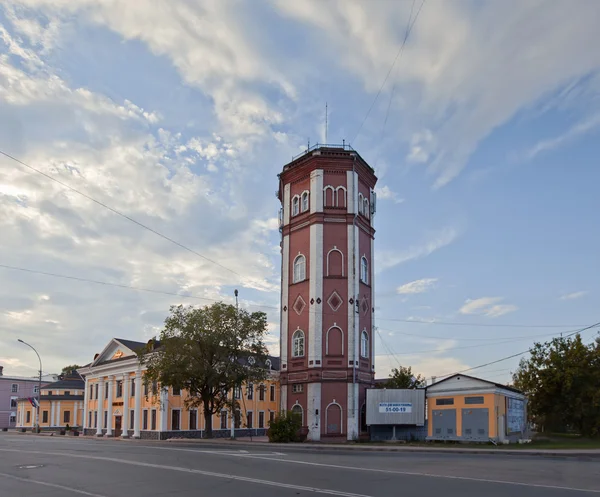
x=263 y=442
x=364 y=447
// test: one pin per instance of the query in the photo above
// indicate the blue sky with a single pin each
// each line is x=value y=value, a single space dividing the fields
x=180 y=114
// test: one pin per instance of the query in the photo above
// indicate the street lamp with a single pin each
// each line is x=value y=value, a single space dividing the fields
x=37 y=411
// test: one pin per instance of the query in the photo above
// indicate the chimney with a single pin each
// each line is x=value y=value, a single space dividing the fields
x=1 y=369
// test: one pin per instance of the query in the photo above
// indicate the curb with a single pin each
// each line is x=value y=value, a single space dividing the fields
x=556 y=453
x=592 y=454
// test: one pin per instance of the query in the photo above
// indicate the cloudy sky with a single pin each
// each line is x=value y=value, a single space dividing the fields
x=180 y=113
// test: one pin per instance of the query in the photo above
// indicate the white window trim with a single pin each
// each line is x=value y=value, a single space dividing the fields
x=301 y=333
x=333 y=195
x=337 y=196
x=362 y=335
x=367 y=210
x=327 y=339
x=294 y=280
x=335 y=249
x=301 y=410
x=173 y=409
x=253 y=420
x=334 y=403
x=360 y=203
x=364 y=277
x=295 y=203
x=305 y=195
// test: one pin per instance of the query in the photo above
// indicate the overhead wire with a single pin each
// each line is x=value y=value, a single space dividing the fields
x=277 y=308
x=513 y=355
x=398 y=54
x=119 y=213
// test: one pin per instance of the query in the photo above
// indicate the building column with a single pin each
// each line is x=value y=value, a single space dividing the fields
x=164 y=409
x=100 y=406
x=138 y=403
x=58 y=419
x=125 y=422
x=86 y=401
x=111 y=386
x=52 y=423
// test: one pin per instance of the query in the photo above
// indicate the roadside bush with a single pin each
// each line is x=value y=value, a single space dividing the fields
x=285 y=428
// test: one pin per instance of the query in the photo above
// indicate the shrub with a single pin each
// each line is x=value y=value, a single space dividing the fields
x=285 y=428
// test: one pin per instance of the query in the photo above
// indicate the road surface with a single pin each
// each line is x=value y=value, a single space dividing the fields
x=65 y=467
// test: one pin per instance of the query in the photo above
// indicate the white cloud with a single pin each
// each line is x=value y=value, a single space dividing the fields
x=579 y=129
x=440 y=73
x=385 y=193
x=388 y=259
x=487 y=306
x=574 y=295
x=417 y=286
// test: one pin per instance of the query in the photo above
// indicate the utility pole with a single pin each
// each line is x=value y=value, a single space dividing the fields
x=235 y=292
x=37 y=410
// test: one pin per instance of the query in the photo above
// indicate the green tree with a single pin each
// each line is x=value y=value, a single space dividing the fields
x=69 y=369
x=207 y=352
x=561 y=379
x=403 y=377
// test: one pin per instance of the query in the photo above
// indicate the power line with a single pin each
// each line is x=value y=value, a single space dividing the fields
x=514 y=355
x=119 y=213
x=479 y=325
x=277 y=308
x=461 y=339
x=400 y=50
x=408 y=30
x=433 y=351
x=117 y=285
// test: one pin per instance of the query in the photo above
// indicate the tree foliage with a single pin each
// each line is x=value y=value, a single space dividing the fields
x=562 y=381
x=206 y=352
x=285 y=428
x=68 y=369
x=403 y=377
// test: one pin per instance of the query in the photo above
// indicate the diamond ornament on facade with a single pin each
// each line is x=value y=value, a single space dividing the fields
x=335 y=301
x=299 y=305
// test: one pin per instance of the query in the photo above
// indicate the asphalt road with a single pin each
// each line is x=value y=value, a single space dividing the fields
x=57 y=466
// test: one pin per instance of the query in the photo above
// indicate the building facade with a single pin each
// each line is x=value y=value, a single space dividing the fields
x=11 y=389
x=119 y=403
x=61 y=405
x=327 y=289
x=464 y=408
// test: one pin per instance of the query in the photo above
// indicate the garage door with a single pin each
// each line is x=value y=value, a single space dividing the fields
x=475 y=424
x=444 y=423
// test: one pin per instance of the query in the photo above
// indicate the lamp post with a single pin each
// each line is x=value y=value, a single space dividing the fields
x=233 y=413
x=37 y=410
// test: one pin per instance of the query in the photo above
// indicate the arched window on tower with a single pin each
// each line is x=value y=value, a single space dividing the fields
x=364 y=270
x=299 y=268
x=360 y=203
x=295 y=205
x=335 y=262
x=364 y=344
x=334 y=344
x=304 y=205
x=340 y=196
x=298 y=343
x=298 y=411
x=328 y=196
x=366 y=210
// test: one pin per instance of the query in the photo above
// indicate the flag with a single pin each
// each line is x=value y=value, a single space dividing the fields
x=34 y=401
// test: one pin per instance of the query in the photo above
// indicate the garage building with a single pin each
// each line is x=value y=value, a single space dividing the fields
x=464 y=408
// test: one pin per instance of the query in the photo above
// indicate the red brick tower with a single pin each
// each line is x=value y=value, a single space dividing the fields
x=327 y=304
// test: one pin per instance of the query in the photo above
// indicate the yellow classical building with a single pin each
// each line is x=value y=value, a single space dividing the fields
x=61 y=405
x=118 y=402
